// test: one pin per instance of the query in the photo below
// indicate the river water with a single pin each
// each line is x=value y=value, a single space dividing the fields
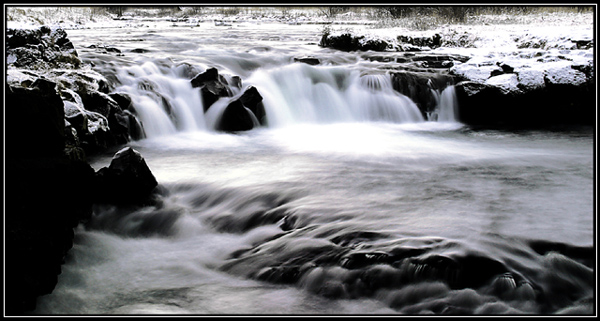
x=348 y=202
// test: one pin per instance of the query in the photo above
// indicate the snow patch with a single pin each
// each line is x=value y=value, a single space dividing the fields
x=508 y=83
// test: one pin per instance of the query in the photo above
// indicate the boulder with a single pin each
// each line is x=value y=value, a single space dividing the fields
x=526 y=93
x=127 y=180
x=212 y=87
x=236 y=118
x=252 y=99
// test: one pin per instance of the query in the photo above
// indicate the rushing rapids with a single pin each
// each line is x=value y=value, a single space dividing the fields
x=348 y=200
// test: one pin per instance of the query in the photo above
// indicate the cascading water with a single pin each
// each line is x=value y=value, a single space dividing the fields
x=349 y=202
x=447 y=107
x=297 y=93
x=164 y=101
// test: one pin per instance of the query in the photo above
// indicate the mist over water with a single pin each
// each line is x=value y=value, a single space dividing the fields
x=348 y=202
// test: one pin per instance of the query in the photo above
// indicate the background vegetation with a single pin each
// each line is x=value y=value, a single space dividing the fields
x=416 y=17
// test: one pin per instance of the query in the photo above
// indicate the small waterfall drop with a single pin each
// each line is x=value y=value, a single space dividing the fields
x=164 y=101
x=447 y=107
x=300 y=93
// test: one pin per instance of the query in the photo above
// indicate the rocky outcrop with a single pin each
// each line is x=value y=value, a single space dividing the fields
x=56 y=112
x=349 y=42
x=41 y=48
x=35 y=123
x=93 y=120
x=252 y=100
x=423 y=88
x=549 y=94
x=414 y=43
x=46 y=193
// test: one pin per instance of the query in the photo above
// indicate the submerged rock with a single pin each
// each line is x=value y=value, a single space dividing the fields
x=308 y=60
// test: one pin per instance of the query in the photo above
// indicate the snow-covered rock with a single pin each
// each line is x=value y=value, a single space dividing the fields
x=530 y=79
x=562 y=73
x=508 y=83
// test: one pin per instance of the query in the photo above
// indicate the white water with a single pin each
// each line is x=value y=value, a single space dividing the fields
x=332 y=208
x=293 y=94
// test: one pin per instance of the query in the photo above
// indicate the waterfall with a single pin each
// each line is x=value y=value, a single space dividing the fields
x=300 y=93
x=447 y=107
x=164 y=101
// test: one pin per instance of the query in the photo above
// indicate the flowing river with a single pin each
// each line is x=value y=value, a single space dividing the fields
x=348 y=202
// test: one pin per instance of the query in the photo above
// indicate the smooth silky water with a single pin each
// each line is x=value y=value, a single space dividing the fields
x=347 y=202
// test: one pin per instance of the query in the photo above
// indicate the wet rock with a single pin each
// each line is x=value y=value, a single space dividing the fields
x=421 y=87
x=357 y=260
x=252 y=99
x=127 y=180
x=308 y=60
x=236 y=118
x=212 y=87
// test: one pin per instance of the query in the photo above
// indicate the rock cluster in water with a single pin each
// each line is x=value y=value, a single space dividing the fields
x=240 y=113
x=524 y=89
x=57 y=111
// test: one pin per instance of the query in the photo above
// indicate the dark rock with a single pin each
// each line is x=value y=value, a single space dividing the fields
x=140 y=50
x=358 y=260
x=212 y=87
x=308 y=60
x=236 y=81
x=211 y=74
x=432 y=42
x=123 y=100
x=40 y=48
x=46 y=197
x=235 y=118
x=127 y=180
x=35 y=123
x=418 y=87
x=349 y=42
x=553 y=105
x=252 y=99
